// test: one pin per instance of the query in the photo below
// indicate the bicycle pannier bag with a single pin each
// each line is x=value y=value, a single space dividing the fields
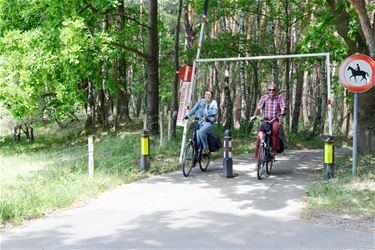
x=266 y=128
x=282 y=144
x=194 y=125
x=214 y=142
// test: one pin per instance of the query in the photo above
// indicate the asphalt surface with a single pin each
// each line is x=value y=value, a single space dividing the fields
x=203 y=211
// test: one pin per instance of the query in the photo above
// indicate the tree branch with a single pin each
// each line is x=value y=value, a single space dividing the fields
x=123 y=46
x=342 y=19
x=136 y=21
x=360 y=7
x=88 y=6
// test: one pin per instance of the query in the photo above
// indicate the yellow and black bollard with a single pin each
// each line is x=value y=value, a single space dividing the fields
x=329 y=157
x=145 y=150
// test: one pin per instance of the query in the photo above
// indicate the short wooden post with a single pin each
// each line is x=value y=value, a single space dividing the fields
x=161 y=129
x=169 y=125
x=91 y=156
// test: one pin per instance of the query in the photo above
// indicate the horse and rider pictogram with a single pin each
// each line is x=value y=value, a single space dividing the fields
x=358 y=72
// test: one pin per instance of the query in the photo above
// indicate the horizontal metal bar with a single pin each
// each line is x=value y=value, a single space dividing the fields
x=259 y=57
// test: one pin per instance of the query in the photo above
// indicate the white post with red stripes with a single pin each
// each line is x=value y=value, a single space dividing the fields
x=228 y=162
x=194 y=76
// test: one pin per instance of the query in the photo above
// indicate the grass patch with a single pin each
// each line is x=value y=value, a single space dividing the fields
x=38 y=177
x=346 y=194
x=303 y=140
x=38 y=194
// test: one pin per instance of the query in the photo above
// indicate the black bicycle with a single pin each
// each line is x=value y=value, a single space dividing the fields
x=265 y=159
x=193 y=153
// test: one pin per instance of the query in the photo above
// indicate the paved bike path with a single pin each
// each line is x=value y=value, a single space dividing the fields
x=203 y=211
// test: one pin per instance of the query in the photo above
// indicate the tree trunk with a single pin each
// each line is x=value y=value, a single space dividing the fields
x=254 y=93
x=177 y=68
x=122 y=94
x=25 y=130
x=237 y=104
x=242 y=84
x=17 y=133
x=122 y=105
x=138 y=104
x=228 y=103
x=287 y=85
x=105 y=102
x=305 y=100
x=153 y=68
x=31 y=133
x=342 y=22
x=216 y=82
x=366 y=121
x=318 y=110
x=368 y=31
x=90 y=122
x=366 y=100
x=249 y=108
x=189 y=23
x=297 y=102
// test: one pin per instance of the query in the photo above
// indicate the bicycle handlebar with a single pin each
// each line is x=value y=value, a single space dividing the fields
x=262 y=119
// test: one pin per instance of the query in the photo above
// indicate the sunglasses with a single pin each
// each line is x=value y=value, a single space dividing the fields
x=271 y=89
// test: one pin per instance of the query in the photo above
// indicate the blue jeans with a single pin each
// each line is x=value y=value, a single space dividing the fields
x=204 y=129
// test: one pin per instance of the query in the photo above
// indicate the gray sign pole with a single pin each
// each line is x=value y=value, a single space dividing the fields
x=355 y=135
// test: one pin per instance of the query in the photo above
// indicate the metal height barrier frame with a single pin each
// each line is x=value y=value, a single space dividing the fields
x=248 y=58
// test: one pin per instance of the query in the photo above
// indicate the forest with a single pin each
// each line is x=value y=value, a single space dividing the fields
x=108 y=63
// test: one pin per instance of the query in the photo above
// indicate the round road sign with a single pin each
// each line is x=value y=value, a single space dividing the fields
x=185 y=73
x=357 y=73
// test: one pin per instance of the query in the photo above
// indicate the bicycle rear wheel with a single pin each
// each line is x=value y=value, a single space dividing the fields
x=261 y=162
x=188 y=159
x=204 y=161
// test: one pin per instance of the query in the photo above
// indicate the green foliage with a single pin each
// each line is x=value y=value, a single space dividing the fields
x=320 y=36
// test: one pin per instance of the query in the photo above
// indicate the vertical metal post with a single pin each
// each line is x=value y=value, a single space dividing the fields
x=145 y=150
x=91 y=156
x=228 y=162
x=355 y=135
x=193 y=75
x=170 y=120
x=329 y=107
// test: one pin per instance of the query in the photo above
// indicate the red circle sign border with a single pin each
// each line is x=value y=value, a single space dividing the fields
x=357 y=89
x=182 y=71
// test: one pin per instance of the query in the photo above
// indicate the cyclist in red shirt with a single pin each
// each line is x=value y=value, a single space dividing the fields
x=272 y=106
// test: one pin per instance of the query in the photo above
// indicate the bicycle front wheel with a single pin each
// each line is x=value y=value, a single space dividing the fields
x=269 y=166
x=188 y=159
x=261 y=162
x=204 y=161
